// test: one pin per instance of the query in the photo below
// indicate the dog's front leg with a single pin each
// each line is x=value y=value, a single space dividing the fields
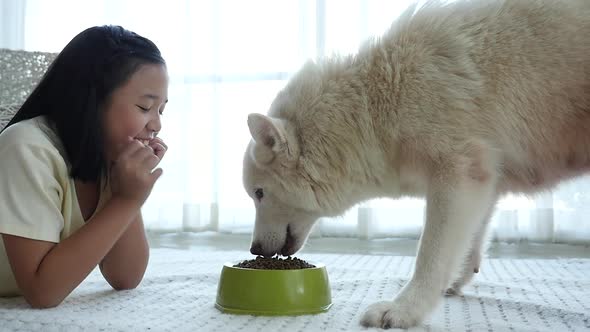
x=472 y=261
x=456 y=203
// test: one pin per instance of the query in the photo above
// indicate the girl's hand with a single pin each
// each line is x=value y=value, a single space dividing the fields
x=159 y=147
x=132 y=173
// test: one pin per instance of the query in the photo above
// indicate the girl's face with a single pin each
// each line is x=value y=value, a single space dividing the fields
x=135 y=109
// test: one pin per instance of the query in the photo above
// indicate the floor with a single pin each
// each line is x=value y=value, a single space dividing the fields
x=179 y=291
x=395 y=247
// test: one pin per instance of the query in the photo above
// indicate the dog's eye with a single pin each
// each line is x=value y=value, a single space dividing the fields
x=259 y=193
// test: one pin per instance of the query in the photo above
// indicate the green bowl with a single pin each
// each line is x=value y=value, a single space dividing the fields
x=273 y=292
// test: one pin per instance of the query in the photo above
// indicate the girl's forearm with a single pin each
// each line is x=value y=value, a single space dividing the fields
x=69 y=262
x=124 y=265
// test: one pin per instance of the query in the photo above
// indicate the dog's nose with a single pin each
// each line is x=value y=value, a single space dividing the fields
x=256 y=249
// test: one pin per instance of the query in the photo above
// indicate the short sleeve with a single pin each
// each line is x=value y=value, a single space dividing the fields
x=30 y=190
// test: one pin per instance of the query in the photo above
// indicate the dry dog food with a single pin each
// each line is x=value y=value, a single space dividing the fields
x=275 y=263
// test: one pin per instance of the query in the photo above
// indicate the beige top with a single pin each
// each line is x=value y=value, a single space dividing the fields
x=37 y=196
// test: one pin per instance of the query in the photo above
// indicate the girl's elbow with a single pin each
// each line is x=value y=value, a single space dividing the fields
x=124 y=283
x=43 y=301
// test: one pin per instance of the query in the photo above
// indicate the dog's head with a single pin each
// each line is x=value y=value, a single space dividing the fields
x=276 y=175
x=286 y=206
x=307 y=159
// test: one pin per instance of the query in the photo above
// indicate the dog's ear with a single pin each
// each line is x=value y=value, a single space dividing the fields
x=269 y=135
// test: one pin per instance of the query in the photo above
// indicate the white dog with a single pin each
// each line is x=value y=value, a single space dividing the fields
x=459 y=103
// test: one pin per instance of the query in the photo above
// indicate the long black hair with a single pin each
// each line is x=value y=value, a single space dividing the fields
x=77 y=86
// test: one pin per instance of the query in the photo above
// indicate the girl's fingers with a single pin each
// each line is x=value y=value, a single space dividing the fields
x=130 y=149
x=140 y=155
x=159 y=149
x=159 y=140
x=156 y=174
x=150 y=161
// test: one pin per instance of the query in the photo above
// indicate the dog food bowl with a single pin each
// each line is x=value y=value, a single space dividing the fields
x=273 y=292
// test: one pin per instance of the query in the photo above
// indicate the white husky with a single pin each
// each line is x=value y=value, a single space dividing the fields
x=458 y=103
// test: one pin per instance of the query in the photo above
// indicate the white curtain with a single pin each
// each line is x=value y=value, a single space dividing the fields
x=12 y=15
x=229 y=58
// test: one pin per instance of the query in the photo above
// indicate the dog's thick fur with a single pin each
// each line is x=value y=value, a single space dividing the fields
x=458 y=103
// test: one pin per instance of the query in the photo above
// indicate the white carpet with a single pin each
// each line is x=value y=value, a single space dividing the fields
x=179 y=289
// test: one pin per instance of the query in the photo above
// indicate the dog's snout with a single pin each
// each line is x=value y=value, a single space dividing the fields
x=256 y=249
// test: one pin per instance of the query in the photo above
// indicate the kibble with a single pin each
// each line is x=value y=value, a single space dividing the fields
x=275 y=263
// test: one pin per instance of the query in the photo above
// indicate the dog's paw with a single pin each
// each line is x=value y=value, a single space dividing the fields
x=454 y=291
x=468 y=270
x=388 y=314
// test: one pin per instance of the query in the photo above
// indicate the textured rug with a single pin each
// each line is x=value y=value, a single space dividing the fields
x=179 y=289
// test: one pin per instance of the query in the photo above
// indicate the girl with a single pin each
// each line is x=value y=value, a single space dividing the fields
x=77 y=162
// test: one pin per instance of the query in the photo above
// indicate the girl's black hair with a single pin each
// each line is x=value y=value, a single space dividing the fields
x=77 y=86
